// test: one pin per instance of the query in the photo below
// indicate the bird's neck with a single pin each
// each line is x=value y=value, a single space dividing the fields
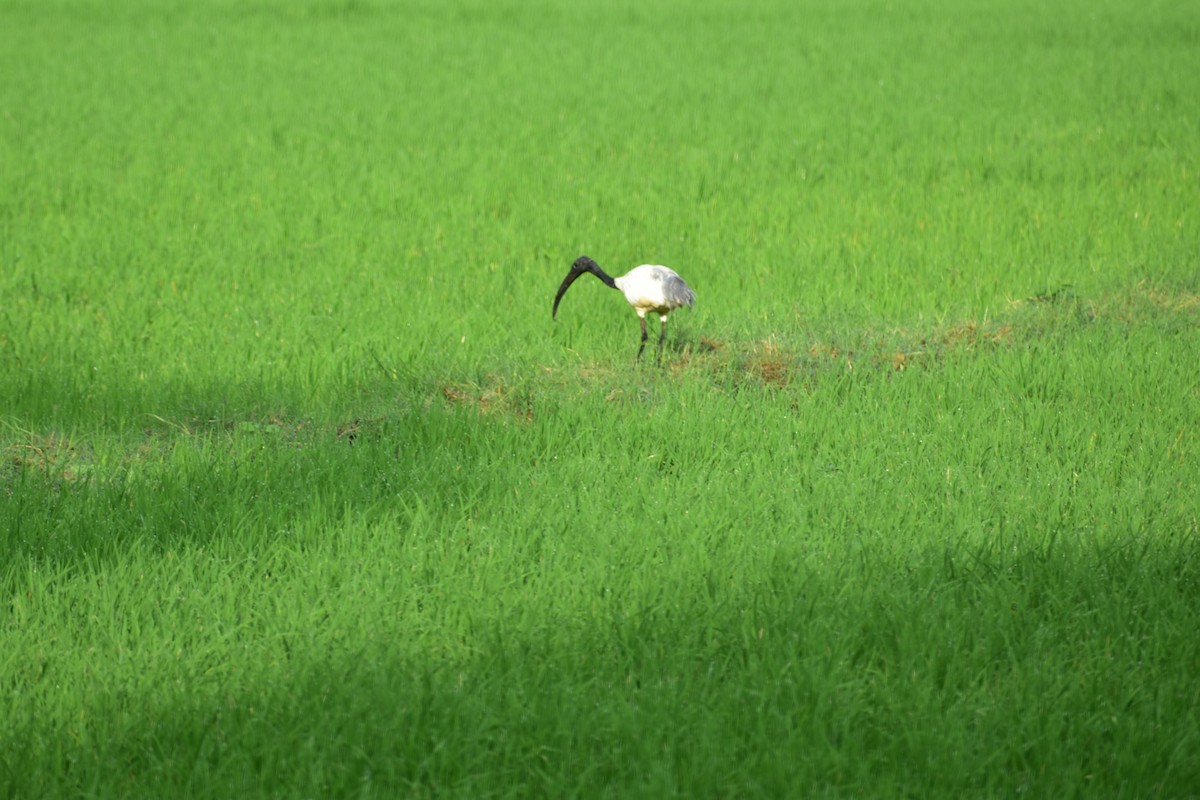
x=609 y=280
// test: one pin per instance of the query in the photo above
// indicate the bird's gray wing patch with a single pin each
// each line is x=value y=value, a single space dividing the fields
x=678 y=293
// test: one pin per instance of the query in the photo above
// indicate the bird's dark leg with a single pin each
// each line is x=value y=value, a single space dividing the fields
x=661 y=338
x=644 y=337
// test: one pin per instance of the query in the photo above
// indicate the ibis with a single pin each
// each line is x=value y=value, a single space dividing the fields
x=649 y=288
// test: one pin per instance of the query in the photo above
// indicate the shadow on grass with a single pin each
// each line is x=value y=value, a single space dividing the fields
x=194 y=481
x=1053 y=670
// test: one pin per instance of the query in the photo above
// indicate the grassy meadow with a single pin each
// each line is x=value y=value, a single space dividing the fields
x=303 y=494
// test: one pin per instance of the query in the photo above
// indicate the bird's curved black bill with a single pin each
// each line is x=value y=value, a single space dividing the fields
x=566 y=284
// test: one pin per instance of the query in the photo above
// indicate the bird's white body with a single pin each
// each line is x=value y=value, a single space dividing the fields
x=654 y=288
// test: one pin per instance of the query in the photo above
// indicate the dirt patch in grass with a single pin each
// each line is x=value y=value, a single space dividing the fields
x=50 y=454
x=777 y=363
x=493 y=397
x=50 y=458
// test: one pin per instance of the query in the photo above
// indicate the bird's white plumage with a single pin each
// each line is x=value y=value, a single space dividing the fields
x=654 y=288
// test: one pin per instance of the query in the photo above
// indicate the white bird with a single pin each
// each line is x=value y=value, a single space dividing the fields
x=648 y=288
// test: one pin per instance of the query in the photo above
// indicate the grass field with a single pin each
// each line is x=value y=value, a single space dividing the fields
x=302 y=492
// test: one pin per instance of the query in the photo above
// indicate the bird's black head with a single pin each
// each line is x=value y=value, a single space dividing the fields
x=582 y=264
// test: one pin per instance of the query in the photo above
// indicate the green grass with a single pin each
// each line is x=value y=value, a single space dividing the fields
x=302 y=493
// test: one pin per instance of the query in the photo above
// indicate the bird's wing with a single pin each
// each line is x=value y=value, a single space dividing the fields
x=676 y=292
